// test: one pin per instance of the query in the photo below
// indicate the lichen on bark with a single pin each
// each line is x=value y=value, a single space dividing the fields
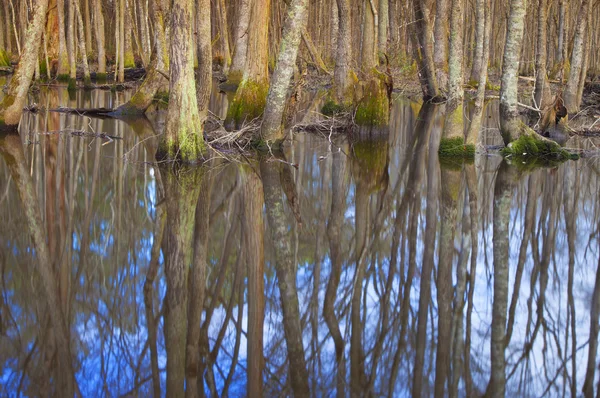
x=373 y=108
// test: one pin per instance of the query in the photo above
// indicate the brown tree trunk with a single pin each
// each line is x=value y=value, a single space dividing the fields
x=183 y=138
x=295 y=21
x=11 y=106
x=422 y=31
x=343 y=73
x=440 y=37
x=570 y=93
x=240 y=46
x=100 y=47
x=63 y=56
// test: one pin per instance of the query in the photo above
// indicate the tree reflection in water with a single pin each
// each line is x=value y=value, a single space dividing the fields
x=373 y=268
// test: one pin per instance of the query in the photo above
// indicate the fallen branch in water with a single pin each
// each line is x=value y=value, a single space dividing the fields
x=98 y=112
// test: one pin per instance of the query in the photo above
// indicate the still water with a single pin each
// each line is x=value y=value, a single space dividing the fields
x=361 y=266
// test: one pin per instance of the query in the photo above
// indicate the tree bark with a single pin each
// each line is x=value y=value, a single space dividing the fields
x=342 y=75
x=11 y=106
x=422 y=31
x=295 y=21
x=570 y=93
x=440 y=37
x=63 y=56
x=100 y=47
x=240 y=47
x=184 y=136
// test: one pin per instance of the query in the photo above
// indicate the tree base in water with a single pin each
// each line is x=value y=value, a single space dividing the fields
x=189 y=148
x=374 y=107
x=530 y=146
x=249 y=103
x=101 y=77
x=4 y=58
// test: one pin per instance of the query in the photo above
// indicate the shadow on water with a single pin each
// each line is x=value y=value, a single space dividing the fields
x=360 y=264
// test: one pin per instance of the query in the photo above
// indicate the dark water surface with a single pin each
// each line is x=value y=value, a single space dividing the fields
x=379 y=269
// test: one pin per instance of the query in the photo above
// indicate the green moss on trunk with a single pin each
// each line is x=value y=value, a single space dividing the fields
x=248 y=103
x=374 y=107
x=72 y=84
x=129 y=60
x=63 y=77
x=4 y=58
x=188 y=147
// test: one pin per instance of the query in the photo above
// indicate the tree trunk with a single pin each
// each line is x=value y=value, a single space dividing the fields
x=99 y=23
x=71 y=40
x=251 y=95
x=478 y=65
x=82 y=46
x=510 y=124
x=183 y=138
x=204 y=52
x=570 y=94
x=295 y=21
x=343 y=73
x=11 y=106
x=121 y=42
x=440 y=37
x=128 y=57
x=87 y=25
x=384 y=22
x=63 y=56
x=240 y=47
x=422 y=31
x=543 y=95
x=155 y=79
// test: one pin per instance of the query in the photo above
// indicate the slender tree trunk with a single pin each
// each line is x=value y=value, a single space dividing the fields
x=100 y=47
x=422 y=31
x=295 y=21
x=570 y=93
x=224 y=35
x=543 y=95
x=82 y=47
x=251 y=95
x=440 y=37
x=183 y=138
x=128 y=56
x=342 y=76
x=478 y=65
x=71 y=40
x=384 y=22
x=121 y=42
x=240 y=47
x=204 y=52
x=11 y=106
x=63 y=56
x=87 y=25
x=155 y=79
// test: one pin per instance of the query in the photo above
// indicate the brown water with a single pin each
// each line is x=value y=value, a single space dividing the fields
x=384 y=271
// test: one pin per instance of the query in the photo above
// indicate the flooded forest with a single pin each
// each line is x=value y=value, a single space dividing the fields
x=299 y=198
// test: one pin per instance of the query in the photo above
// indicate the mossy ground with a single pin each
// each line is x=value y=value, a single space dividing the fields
x=374 y=107
x=248 y=103
x=456 y=147
x=529 y=149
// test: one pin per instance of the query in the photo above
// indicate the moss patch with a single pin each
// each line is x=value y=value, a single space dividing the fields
x=161 y=97
x=374 y=107
x=529 y=148
x=101 y=77
x=72 y=84
x=248 y=103
x=456 y=147
x=63 y=77
x=332 y=108
x=4 y=58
